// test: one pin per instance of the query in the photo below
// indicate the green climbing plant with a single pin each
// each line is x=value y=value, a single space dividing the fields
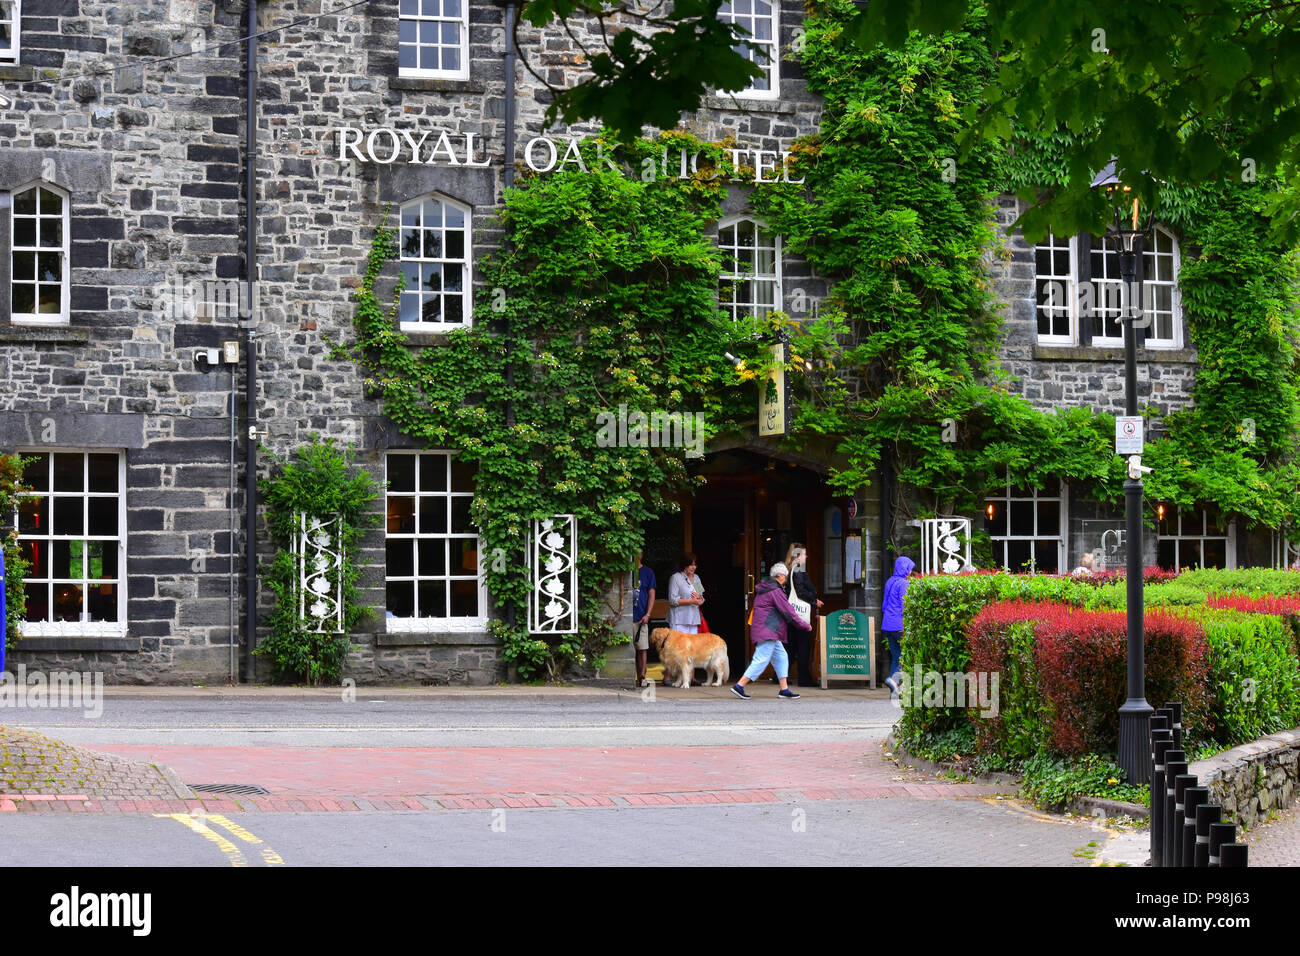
x=609 y=289
x=12 y=492
x=319 y=481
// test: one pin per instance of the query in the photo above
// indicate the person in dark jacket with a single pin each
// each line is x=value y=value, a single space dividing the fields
x=801 y=583
x=891 y=617
x=772 y=612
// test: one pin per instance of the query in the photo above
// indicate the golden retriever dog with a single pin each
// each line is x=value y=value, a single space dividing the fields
x=682 y=653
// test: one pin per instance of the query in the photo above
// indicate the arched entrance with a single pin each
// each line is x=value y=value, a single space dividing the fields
x=752 y=506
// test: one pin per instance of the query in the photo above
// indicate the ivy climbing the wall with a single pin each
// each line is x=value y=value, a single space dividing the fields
x=12 y=492
x=609 y=288
x=1235 y=445
x=321 y=484
x=903 y=354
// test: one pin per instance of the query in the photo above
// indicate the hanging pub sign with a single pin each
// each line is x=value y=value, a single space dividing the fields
x=772 y=392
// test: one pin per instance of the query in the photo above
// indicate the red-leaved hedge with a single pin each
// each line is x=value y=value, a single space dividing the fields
x=1082 y=659
x=1066 y=692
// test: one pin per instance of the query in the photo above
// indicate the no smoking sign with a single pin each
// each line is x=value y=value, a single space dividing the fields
x=1128 y=435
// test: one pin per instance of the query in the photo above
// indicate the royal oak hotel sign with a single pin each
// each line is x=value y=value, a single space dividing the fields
x=543 y=154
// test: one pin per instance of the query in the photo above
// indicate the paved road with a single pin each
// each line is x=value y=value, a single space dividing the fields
x=503 y=776
x=844 y=832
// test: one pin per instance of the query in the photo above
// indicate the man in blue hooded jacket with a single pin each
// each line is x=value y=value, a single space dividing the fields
x=891 y=617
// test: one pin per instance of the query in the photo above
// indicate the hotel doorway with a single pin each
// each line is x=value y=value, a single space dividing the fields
x=739 y=523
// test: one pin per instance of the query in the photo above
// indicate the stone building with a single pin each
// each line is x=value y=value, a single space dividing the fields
x=126 y=318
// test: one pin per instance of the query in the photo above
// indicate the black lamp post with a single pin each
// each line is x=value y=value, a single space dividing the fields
x=1128 y=232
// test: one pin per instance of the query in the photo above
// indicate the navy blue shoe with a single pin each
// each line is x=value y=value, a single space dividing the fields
x=788 y=694
x=739 y=692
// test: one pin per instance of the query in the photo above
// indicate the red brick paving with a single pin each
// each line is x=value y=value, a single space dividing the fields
x=333 y=779
x=336 y=779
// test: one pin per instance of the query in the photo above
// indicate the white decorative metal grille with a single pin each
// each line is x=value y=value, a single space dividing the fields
x=318 y=552
x=551 y=555
x=1286 y=551
x=945 y=545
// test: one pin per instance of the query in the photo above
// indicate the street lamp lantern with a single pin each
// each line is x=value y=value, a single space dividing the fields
x=1127 y=232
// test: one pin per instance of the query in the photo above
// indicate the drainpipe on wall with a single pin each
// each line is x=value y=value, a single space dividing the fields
x=509 y=175
x=250 y=409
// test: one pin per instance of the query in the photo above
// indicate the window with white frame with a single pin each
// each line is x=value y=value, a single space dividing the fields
x=38 y=266
x=1054 y=290
x=435 y=251
x=11 y=15
x=1193 y=538
x=750 y=281
x=11 y=26
x=1027 y=526
x=1160 y=298
x=1160 y=304
x=433 y=39
x=760 y=21
x=72 y=534
x=1107 y=292
x=432 y=549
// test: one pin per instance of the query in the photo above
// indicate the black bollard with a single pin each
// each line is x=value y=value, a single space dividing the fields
x=1175 y=763
x=1175 y=708
x=1161 y=742
x=1193 y=798
x=1206 y=814
x=1182 y=783
x=1220 y=833
x=1234 y=855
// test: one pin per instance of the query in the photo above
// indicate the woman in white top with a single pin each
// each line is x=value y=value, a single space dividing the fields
x=685 y=595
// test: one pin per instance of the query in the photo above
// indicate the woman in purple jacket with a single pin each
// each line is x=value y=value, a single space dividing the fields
x=891 y=617
x=772 y=612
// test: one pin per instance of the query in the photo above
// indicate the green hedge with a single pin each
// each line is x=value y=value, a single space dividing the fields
x=1243 y=647
x=1254 y=648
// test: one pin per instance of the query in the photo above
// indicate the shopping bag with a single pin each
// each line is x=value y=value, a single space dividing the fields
x=802 y=608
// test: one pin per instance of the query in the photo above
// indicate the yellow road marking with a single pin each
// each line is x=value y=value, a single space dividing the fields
x=199 y=827
x=270 y=856
x=195 y=821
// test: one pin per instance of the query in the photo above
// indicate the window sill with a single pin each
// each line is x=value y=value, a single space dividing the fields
x=12 y=71
x=746 y=104
x=427 y=336
x=430 y=84
x=442 y=637
x=1109 y=353
x=18 y=332
x=83 y=639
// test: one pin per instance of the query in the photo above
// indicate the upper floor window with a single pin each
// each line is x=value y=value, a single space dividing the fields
x=72 y=533
x=1079 y=289
x=433 y=38
x=750 y=282
x=11 y=15
x=1160 y=297
x=435 y=264
x=38 y=277
x=1107 y=292
x=1054 y=291
x=760 y=21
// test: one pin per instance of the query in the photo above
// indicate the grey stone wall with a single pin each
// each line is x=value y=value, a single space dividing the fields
x=1250 y=780
x=152 y=155
x=1052 y=377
